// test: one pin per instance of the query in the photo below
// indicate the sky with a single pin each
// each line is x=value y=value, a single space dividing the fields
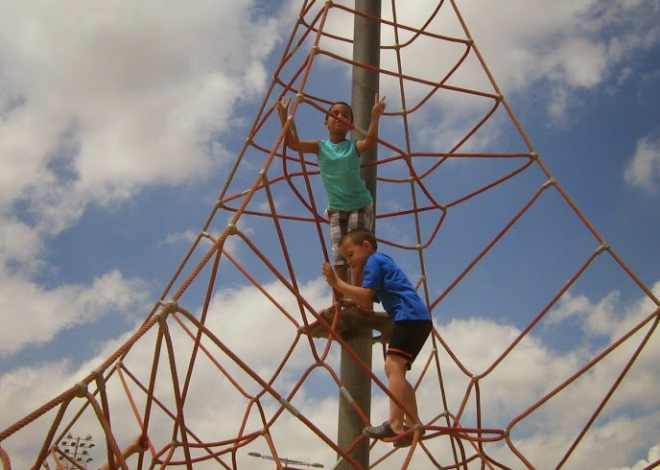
x=120 y=125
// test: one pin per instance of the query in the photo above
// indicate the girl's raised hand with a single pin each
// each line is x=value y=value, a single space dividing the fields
x=379 y=105
x=282 y=107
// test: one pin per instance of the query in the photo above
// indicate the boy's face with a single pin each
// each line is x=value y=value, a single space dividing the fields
x=356 y=254
x=342 y=111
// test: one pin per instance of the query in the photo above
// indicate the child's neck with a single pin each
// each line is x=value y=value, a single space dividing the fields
x=337 y=138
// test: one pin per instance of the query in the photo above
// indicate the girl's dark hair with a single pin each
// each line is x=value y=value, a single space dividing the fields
x=345 y=104
x=360 y=235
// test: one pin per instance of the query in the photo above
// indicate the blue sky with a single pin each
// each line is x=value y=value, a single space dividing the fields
x=115 y=143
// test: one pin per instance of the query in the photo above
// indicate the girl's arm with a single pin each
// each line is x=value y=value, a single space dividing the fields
x=291 y=139
x=371 y=139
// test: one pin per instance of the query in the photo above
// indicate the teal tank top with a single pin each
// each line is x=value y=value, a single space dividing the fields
x=340 y=172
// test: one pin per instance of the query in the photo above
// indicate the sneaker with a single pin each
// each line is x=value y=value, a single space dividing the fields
x=379 y=432
x=406 y=441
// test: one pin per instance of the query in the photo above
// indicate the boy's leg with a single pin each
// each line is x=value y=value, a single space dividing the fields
x=408 y=338
x=411 y=419
x=395 y=369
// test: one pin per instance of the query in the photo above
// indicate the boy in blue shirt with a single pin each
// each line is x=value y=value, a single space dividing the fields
x=350 y=204
x=384 y=282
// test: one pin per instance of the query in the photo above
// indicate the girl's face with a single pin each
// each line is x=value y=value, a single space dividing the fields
x=339 y=110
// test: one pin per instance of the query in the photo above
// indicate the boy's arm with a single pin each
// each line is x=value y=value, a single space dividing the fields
x=362 y=296
x=371 y=139
x=291 y=139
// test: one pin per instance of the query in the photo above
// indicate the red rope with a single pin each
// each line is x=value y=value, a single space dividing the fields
x=294 y=179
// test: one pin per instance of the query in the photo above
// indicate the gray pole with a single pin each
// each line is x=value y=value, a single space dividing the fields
x=366 y=50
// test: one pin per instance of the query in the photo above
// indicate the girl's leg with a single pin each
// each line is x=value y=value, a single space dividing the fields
x=359 y=218
x=341 y=270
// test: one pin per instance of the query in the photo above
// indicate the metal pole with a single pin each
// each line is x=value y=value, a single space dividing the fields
x=286 y=460
x=366 y=50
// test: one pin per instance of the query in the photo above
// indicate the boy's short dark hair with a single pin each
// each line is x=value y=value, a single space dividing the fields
x=360 y=235
x=343 y=103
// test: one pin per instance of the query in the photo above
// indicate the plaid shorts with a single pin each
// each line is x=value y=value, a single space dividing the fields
x=342 y=222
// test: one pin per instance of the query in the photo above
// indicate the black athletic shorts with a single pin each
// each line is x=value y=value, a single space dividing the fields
x=408 y=338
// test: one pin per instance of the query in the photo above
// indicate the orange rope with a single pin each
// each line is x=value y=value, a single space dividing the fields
x=294 y=179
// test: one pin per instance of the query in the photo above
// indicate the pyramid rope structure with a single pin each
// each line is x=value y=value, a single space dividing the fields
x=268 y=224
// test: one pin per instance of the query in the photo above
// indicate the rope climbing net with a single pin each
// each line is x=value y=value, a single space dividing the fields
x=464 y=204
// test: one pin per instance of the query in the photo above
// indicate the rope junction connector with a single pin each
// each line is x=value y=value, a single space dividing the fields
x=82 y=389
x=603 y=247
x=292 y=409
x=550 y=182
x=168 y=307
x=347 y=395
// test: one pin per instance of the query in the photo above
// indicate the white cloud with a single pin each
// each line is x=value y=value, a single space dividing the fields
x=561 y=50
x=567 y=46
x=246 y=322
x=125 y=97
x=260 y=336
x=37 y=314
x=643 y=171
x=173 y=238
x=653 y=456
x=19 y=243
x=95 y=106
